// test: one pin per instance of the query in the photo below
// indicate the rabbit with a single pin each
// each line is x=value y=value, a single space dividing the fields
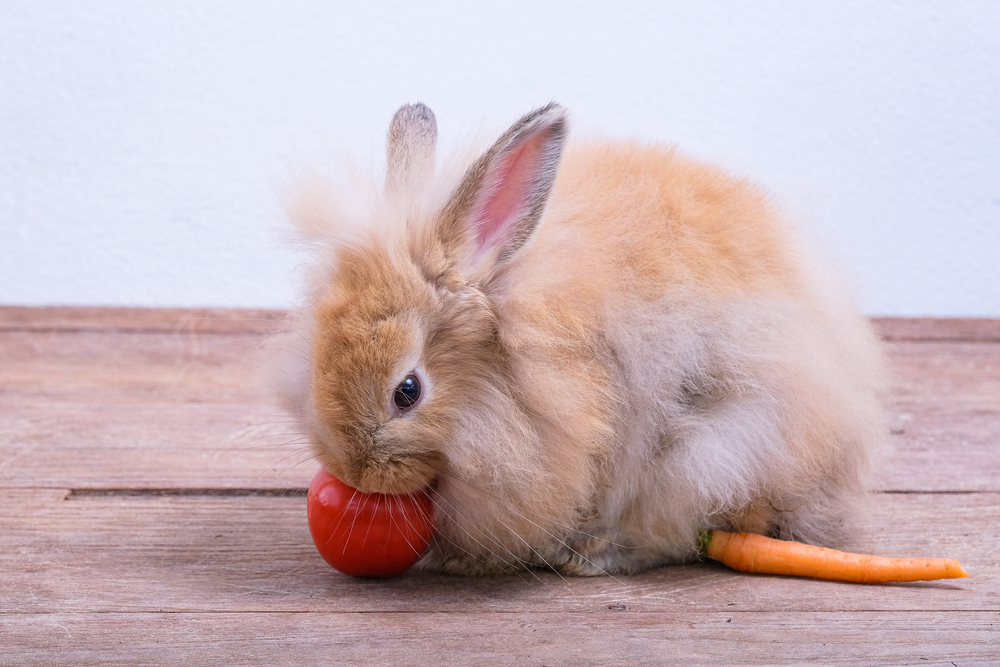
x=585 y=352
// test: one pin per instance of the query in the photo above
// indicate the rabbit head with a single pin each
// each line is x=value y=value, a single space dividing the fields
x=410 y=384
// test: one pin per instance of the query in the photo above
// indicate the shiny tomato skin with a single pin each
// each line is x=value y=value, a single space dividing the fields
x=368 y=534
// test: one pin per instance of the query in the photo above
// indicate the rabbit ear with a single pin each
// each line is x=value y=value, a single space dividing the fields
x=496 y=209
x=410 y=149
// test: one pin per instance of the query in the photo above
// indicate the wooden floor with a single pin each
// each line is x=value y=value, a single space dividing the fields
x=153 y=512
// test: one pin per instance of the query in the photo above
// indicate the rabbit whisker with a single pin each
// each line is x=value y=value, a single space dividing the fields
x=510 y=508
x=491 y=538
x=557 y=539
x=439 y=535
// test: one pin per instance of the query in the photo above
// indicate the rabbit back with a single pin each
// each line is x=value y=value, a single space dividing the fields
x=720 y=374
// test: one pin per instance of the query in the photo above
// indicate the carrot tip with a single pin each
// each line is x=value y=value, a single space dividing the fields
x=756 y=553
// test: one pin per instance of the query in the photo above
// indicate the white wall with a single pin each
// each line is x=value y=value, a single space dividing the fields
x=144 y=146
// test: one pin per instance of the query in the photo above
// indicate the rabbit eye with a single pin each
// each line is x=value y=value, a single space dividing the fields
x=407 y=393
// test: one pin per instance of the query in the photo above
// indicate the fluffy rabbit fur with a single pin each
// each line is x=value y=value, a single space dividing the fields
x=616 y=346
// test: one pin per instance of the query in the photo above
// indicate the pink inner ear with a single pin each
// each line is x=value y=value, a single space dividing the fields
x=507 y=188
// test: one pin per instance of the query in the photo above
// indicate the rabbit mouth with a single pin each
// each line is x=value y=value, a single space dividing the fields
x=399 y=474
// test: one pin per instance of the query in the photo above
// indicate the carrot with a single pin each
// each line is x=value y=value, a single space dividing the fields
x=747 y=552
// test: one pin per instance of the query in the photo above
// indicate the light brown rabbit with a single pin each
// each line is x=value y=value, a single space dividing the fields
x=589 y=351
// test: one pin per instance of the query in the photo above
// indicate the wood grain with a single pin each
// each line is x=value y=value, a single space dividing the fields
x=166 y=553
x=222 y=320
x=113 y=408
x=944 y=417
x=605 y=637
x=929 y=329
x=202 y=320
x=254 y=554
x=163 y=405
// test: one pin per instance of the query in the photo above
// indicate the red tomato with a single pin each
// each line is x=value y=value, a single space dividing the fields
x=368 y=534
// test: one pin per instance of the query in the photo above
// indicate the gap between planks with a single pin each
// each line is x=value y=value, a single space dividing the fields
x=227 y=492
x=95 y=492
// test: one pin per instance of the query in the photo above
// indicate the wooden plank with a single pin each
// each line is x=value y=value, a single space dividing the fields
x=719 y=638
x=254 y=554
x=194 y=446
x=225 y=320
x=202 y=320
x=87 y=349
x=944 y=417
x=959 y=373
x=929 y=329
x=137 y=399
x=100 y=408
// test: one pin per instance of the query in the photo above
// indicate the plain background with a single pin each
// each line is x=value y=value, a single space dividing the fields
x=145 y=147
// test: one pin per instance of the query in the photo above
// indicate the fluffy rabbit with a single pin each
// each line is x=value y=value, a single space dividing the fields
x=588 y=351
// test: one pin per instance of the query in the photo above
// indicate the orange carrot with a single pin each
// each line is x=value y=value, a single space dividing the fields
x=747 y=552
